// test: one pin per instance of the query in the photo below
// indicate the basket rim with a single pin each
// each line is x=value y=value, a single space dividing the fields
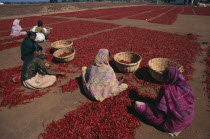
x=131 y=64
x=52 y=44
x=180 y=67
x=74 y=51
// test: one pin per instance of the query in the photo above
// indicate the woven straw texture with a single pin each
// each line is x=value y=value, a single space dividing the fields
x=62 y=44
x=158 y=65
x=67 y=58
x=133 y=59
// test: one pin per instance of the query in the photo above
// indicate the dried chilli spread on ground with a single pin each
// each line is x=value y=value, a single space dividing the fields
x=73 y=29
x=115 y=117
x=149 y=44
x=11 y=93
x=112 y=118
x=158 y=14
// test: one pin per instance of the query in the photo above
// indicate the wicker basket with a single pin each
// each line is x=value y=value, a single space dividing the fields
x=49 y=29
x=134 y=60
x=158 y=65
x=62 y=44
x=59 y=52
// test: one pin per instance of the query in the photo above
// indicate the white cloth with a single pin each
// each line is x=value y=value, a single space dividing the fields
x=39 y=81
x=33 y=29
x=201 y=5
x=40 y=37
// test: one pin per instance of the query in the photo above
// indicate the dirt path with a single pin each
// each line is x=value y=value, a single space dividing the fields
x=27 y=121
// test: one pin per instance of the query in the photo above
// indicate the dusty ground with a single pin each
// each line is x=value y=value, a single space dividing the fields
x=26 y=121
x=8 y=10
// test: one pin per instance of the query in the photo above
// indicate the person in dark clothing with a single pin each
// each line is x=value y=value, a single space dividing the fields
x=28 y=45
x=34 y=74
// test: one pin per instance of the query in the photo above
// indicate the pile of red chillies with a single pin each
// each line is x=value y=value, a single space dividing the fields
x=77 y=28
x=70 y=86
x=11 y=93
x=112 y=118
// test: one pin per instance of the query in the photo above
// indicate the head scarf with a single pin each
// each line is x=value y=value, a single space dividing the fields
x=101 y=81
x=102 y=58
x=16 y=22
x=40 y=23
x=16 y=26
x=172 y=76
x=16 y=29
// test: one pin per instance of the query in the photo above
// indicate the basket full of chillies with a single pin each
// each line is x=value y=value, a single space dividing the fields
x=127 y=61
x=158 y=65
x=64 y=55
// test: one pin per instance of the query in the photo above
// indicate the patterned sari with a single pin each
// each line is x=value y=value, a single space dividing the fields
x=100 y=81
x=175 y=110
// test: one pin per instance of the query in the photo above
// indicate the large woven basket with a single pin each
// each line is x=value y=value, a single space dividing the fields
x=62 y=44
x=67 y=58
x=158 y=65
x=134 y=60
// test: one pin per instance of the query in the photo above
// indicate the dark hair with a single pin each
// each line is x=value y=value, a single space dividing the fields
x=38 y=48
x=31 y=33
x=40 y=23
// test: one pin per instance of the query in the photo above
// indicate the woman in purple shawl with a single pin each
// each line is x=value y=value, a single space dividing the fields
x=175 y=109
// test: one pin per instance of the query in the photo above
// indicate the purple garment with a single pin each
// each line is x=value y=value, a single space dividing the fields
x=175 y=110
x=100 y=81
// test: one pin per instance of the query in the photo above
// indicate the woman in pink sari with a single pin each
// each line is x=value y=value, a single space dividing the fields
x=175 y=109
x=16 y=29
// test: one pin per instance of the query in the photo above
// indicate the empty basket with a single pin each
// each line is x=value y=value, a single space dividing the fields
x=62 y=44
x=158 y=65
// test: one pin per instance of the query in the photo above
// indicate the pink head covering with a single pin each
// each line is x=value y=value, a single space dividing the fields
x=172 y=76
x=16 y=25
x=16 y=22
x=16 y=28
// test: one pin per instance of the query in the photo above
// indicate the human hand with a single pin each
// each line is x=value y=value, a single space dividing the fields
x=47 y=64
